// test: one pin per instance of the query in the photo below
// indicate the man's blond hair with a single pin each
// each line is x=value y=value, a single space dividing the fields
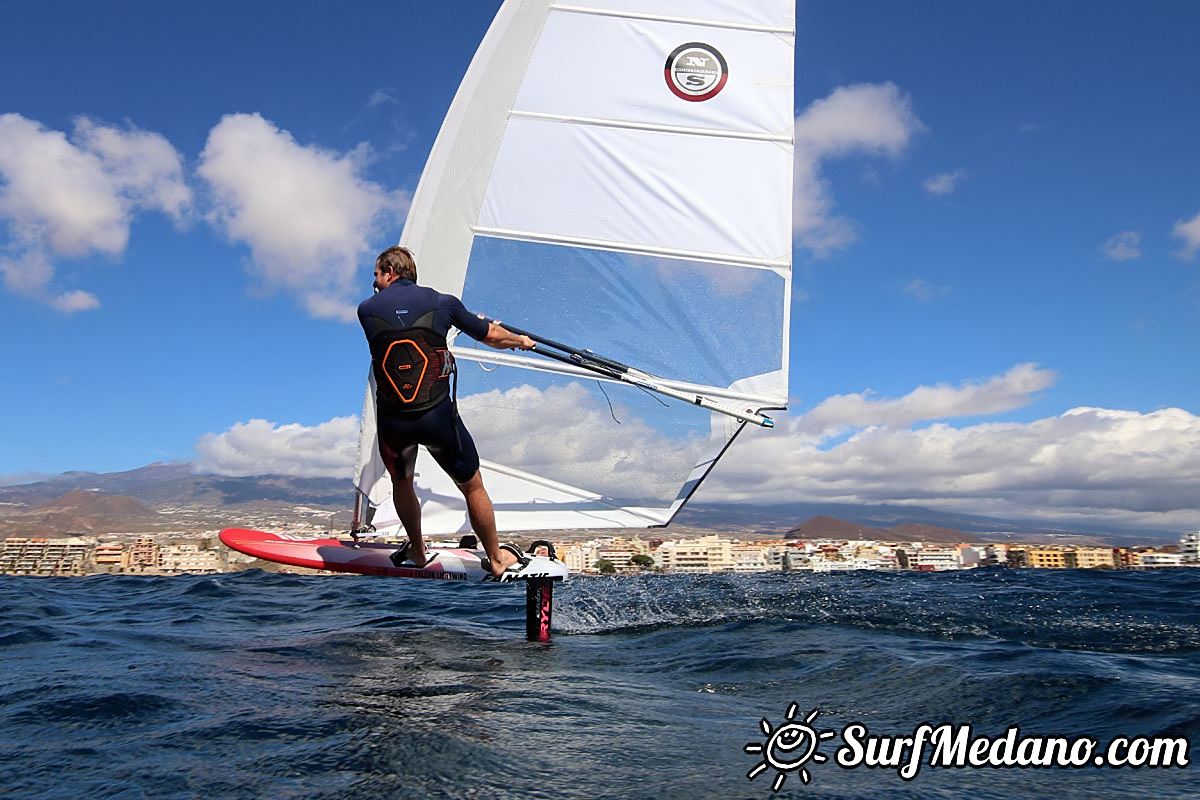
x=398 y=260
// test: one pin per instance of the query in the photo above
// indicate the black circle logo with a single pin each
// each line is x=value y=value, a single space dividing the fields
x=696 y=71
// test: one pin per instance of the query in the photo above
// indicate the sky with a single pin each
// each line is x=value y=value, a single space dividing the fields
x=996 y=244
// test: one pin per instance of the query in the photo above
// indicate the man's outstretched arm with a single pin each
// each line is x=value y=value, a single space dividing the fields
x=502 y=339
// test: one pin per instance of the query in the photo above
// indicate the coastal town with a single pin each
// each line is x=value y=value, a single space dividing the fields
x=165 y=520
x=202 y=553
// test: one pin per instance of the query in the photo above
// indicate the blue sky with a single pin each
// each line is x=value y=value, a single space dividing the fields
x=996 y=274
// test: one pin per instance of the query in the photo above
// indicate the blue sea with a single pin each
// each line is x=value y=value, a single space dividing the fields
x=257 y=685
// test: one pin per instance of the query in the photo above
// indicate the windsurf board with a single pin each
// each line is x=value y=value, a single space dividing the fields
x=377 y=558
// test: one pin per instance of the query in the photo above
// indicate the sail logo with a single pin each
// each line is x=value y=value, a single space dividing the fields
x=696 y=72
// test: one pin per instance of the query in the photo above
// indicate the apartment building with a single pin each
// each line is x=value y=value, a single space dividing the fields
x=1050 y=557
x=111 y=557
x=1095 y=558
x=41 y=556
x=145 y=555
x=190 y=558
x=696 y=556
x=752 y=557
x=1155 y=560
x=1189 y=548
x=928 y=559
x=579 y=557
x=620 y=552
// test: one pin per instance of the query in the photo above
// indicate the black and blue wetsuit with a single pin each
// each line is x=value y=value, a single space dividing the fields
x=406 y=327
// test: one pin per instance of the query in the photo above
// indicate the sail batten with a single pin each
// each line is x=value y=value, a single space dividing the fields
x=786 y=137
x=758 y=401
x=616 y=174
x=781 y=263
x=712 y=23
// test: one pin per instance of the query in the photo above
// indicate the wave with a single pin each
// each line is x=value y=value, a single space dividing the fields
x=1126 y=612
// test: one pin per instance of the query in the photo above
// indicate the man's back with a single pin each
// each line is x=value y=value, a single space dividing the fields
x=403 y=303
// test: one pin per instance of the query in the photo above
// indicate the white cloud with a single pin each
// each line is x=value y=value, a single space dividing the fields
x=1189 y=231
x=1086 y=465
x=144 y=165
x=924 y=290
x=1123 y=247
x=944 y=183
x=840 y=413
x=76 y=300
x=306 y=213
x=871 y=118
x=69 y=198
x=381 y=97
x=259 y=447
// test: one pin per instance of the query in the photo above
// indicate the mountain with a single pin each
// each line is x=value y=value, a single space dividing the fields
x=779 y=518
x=80 y=512
x=168 y=497
x=918 y=532
x=82 y=502
x=826 y=527
x=177 y=495
x=165 y=486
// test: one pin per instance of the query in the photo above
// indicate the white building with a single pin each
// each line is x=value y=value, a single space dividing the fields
x=750 y=557
x=933 y=559
x=579 y=557
x=1153 y=560
x=1189 y=548
x=851 y=564
x=696 y=556
x=970 y=556
x=189 y=558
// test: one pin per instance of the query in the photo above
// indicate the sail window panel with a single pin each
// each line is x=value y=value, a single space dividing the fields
x=721 y=197
x=558 y=452
x=612 y=69
x=522 y=502
x=703 y=323
x=637 y=453
x=763 y=13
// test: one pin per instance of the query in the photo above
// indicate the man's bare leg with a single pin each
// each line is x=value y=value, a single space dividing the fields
x=483 y=522
x=408 y=508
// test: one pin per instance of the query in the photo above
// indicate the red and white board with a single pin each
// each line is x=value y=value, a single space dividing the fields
x=375 y=558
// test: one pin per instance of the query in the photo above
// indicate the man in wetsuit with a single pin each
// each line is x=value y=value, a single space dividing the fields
x=406 y=327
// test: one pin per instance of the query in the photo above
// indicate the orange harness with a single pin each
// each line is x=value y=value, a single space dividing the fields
x=412 y=366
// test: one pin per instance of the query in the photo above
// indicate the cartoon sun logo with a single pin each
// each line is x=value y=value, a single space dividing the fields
x=788 y=747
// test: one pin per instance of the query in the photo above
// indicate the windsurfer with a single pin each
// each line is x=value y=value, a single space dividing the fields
x=406 y=327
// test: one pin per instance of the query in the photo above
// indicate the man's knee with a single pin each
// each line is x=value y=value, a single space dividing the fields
x=473 y=484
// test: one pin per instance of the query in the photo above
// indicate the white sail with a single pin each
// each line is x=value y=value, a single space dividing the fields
x=616 y=175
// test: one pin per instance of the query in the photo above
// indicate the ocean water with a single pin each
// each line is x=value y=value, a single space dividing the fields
x=256 y=685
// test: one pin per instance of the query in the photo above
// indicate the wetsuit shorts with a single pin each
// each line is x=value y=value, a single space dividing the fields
x=440 y=430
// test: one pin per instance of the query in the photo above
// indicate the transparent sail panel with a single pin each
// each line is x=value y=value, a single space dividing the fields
x=562 y=452
x=703 y=323
x=638 y=452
